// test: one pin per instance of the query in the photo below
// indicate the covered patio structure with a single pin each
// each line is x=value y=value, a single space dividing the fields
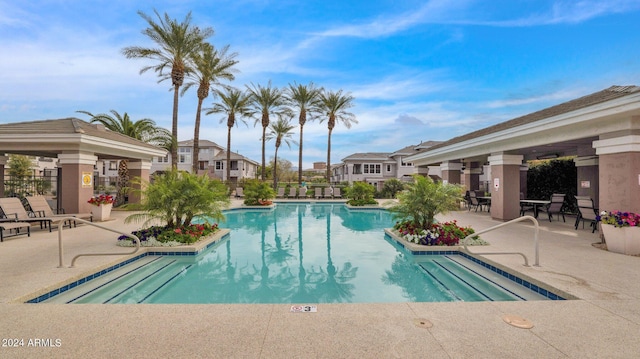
x=601 y=129
x=77 y=145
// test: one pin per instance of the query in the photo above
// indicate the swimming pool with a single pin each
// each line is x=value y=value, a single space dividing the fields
x=300 y=253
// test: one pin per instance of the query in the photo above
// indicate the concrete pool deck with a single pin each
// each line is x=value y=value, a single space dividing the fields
x=604 y=322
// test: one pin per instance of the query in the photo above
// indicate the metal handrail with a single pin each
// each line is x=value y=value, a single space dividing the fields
x=519 y=219
x=73 y=261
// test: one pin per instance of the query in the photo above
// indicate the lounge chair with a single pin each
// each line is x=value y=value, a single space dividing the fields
x=239 y=192
x=556 y=206
x=303 y=192
x=41 y=208
x=280 y=192
x=318 y=192
x=336 y=193
x=293 y=192
x=328 y=192
x=9 y=225
x=586 y=213
x=13 y=209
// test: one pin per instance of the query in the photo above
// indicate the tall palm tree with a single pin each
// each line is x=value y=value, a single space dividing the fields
x=280 y=131
x=210 y=66
x=232 y=102
x=177 y=42
x=306 y=100
x=144 y=130
x=265 y=101
x=334 y=106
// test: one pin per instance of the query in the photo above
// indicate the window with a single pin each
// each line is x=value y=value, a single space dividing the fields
x=234 y=165
x=164 y=159
x=371 y=168
x=184 y=150
x=357 y=169
x=219 y=165
x=113 y=165
x=388 y=168
x=185 y=159
x=405 y=164
x=202 y=165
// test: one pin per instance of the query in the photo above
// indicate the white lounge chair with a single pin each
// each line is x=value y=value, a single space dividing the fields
x=280 y=192
x=9 y=225
x=328 y=192
x=41 y=208
x=13 y=209
x=293 y=192
x=336 y=193
x=239 y=192
x=318 y=192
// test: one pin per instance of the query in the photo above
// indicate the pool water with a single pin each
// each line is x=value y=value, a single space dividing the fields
x=300 y=253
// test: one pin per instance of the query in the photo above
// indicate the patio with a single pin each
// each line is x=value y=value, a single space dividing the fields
x=604 y=322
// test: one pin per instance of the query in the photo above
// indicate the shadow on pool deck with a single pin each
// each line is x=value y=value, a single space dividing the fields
x=604 y=322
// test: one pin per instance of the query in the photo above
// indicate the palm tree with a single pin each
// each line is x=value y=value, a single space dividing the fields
x=177 y=42
x=334 y=106
x=211 y=65
x=144 y=130
x=306 y=99
x=265 y=101
x=232 y=102
x=281 y=131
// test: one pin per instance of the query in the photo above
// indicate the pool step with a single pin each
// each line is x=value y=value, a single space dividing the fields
x=120 y=285
x=462 y=273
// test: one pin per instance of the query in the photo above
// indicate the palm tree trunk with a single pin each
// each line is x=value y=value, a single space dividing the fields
x=275 y=167
x=228 y=179
x=329 y=157
x=264 y=132
x=174 y=128
x=300 y=158
x=196 y=138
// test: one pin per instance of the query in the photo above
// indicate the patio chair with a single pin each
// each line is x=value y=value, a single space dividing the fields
x=586 y=213
x=292 y=192
x=239 y=192
x=525 y=207
x=13 y=209
x=318 y=192
x=328 y=192
x=10 y=225
x=280 y=192
x=556 y=206
x=303 y=192
x=336 y=193
x=41 y=208
x=474 y=201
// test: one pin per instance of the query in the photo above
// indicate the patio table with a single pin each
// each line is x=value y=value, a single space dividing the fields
x=535 y=203
x=485 y=201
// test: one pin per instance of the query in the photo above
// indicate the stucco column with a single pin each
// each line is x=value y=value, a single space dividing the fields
x=451 y=172
x=505 y=186
x=619 y=173
x=588 y=177
x=77 y=181
x=140 y=170
x=524 y=169
x=3 y=162
x=471 y=175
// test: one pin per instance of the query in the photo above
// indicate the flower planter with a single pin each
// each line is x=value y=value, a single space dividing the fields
x=624 y=240
x=102 y=212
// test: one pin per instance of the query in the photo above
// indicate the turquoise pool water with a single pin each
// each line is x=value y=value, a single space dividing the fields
x=299 y=253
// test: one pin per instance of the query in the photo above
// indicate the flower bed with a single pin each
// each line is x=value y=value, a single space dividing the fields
x=157 y=236
x=619 y=219
x=101 y=199
x=439 y=234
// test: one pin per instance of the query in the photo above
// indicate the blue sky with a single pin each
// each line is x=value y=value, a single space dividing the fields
x=419 y=70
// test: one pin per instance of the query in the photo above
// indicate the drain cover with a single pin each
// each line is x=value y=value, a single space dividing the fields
x=422 y=323
x=517 y=321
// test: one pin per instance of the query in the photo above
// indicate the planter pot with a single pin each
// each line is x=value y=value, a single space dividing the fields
x=625 y=240
x=102 y=212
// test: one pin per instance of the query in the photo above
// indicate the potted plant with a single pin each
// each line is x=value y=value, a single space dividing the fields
x=101 y=207
x=621 y=231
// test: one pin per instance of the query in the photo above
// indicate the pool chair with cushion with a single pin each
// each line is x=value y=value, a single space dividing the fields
x=280 y=192
x=318 y=192
x=8 y=224
x=303 y=192
x=328 y=192
x=293 y=192
x=336 y=193
x=13 y=209
x=239 y=192
x=41 y=208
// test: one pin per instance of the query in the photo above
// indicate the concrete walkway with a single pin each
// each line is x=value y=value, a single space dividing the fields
x=603 y=323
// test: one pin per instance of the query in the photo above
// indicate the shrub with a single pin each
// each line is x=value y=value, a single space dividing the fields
x=437 y=234
x=360 y=194
x=391 y=188
x=185 y=234
x=257 y=192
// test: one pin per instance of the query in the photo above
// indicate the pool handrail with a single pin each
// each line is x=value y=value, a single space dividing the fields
x=73 y=261
x=519 y=219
